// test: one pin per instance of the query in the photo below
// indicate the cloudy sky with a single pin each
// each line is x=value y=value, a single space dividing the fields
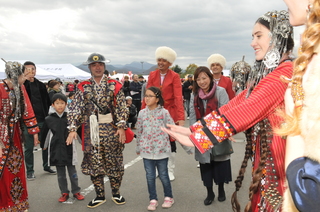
x=67 y=31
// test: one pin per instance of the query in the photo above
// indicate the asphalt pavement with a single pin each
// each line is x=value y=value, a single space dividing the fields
x=188 y=190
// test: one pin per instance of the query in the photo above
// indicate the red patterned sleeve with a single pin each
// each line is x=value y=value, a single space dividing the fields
x=29 y=117
x=245 y=112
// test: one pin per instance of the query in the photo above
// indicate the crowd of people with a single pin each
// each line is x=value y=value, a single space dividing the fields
x=277 y=111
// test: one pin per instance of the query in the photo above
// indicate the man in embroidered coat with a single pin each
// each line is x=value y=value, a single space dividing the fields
x=103 y=142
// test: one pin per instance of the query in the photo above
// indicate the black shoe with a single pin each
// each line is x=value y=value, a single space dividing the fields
x=222 y=196
x=209 y=200
x=31 y=176
x=118 y=199
x=96 y=202
x=50 y=171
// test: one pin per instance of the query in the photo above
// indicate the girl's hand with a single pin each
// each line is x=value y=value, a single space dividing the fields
x=232 y=139
x=36 y=140
x=71 y=136
x=180 y=122
x=0 y=151
x=179 y=129
x=122 y=135
x=181 y=134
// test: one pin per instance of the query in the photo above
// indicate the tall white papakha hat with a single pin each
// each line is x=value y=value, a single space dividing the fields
x=166 y=53
x=216 y=58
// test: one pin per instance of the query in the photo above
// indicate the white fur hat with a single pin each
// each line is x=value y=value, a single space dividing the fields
x=216 y=58
x=166 y=53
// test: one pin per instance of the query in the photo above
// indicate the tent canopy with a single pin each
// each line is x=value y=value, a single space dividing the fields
x=69 y=71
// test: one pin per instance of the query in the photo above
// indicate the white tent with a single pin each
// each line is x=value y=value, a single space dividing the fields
x=68 y=71
x=41 y=74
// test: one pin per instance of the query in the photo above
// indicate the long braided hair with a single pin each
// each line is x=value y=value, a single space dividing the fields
x=310 y=41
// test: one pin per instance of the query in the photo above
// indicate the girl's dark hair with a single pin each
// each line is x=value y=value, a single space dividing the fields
x=199 y=70
x=290 y=42
x=158 y=94
x=52 y=83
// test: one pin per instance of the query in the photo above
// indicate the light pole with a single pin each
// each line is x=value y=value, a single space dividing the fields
x=142 y=65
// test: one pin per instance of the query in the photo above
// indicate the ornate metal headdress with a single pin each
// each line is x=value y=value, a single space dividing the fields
x=13 y=71
x=239 y=73
x=280 y=32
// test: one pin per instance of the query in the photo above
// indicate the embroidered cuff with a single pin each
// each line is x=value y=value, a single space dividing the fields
x=33 y=130
x=122 y=124
x=72 y=128
x=216 y=129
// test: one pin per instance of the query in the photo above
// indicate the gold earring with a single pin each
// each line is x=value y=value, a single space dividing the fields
x=308 y=9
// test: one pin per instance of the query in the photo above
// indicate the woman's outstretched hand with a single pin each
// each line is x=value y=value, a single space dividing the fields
x=181 y=134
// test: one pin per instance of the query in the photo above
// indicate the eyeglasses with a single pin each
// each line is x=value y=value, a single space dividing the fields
x=147 y=96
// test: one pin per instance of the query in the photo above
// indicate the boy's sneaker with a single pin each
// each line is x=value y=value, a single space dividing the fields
x=153 y=205
x=168 y=202
x=31 y=176
x=64 y=197
x=78 y=196
x=50 y=171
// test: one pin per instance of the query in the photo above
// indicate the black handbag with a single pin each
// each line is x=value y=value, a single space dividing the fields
x=222 y=148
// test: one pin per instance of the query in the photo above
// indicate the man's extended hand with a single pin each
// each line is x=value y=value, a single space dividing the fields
x=71 y=136
x=122 y=135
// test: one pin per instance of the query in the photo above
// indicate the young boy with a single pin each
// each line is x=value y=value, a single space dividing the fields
x=61 y=154
x=132 y=112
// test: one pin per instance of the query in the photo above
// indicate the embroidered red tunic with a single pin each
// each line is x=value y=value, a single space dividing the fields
x=13 y=186
x=240 y=114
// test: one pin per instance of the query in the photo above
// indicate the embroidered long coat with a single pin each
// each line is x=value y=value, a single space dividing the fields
x=109 y=151
x=13 y=185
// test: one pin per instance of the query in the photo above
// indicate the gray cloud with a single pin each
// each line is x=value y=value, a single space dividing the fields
x=125 y=31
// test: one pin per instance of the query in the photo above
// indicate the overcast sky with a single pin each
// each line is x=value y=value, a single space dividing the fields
x=67 y=31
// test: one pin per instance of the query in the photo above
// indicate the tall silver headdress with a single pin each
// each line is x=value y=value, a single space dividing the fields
x=280 y=32
x=239 y=73
x=13 y=71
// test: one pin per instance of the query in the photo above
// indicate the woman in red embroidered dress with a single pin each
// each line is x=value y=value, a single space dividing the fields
x=14 y=106
x=254 y=110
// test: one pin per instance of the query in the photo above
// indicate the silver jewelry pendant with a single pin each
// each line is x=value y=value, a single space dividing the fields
x=272 y=59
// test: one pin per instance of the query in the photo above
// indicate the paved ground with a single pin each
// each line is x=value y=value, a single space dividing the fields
x=188 y=190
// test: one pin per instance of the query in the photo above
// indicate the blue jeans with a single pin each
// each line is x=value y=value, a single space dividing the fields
x=162 y=166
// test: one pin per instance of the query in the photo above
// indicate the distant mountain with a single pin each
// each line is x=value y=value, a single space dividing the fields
x=135 y=67
x=152 y=68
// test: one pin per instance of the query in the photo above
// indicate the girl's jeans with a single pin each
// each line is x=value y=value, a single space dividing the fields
x=162 y=166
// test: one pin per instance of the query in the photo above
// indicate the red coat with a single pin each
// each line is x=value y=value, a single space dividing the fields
x=226 y=83
x=171 y=92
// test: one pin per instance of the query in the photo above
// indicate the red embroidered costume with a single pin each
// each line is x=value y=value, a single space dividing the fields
x=13 y=186
x=242 y=113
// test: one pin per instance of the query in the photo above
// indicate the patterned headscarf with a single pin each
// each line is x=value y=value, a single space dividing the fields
x=280 y=32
